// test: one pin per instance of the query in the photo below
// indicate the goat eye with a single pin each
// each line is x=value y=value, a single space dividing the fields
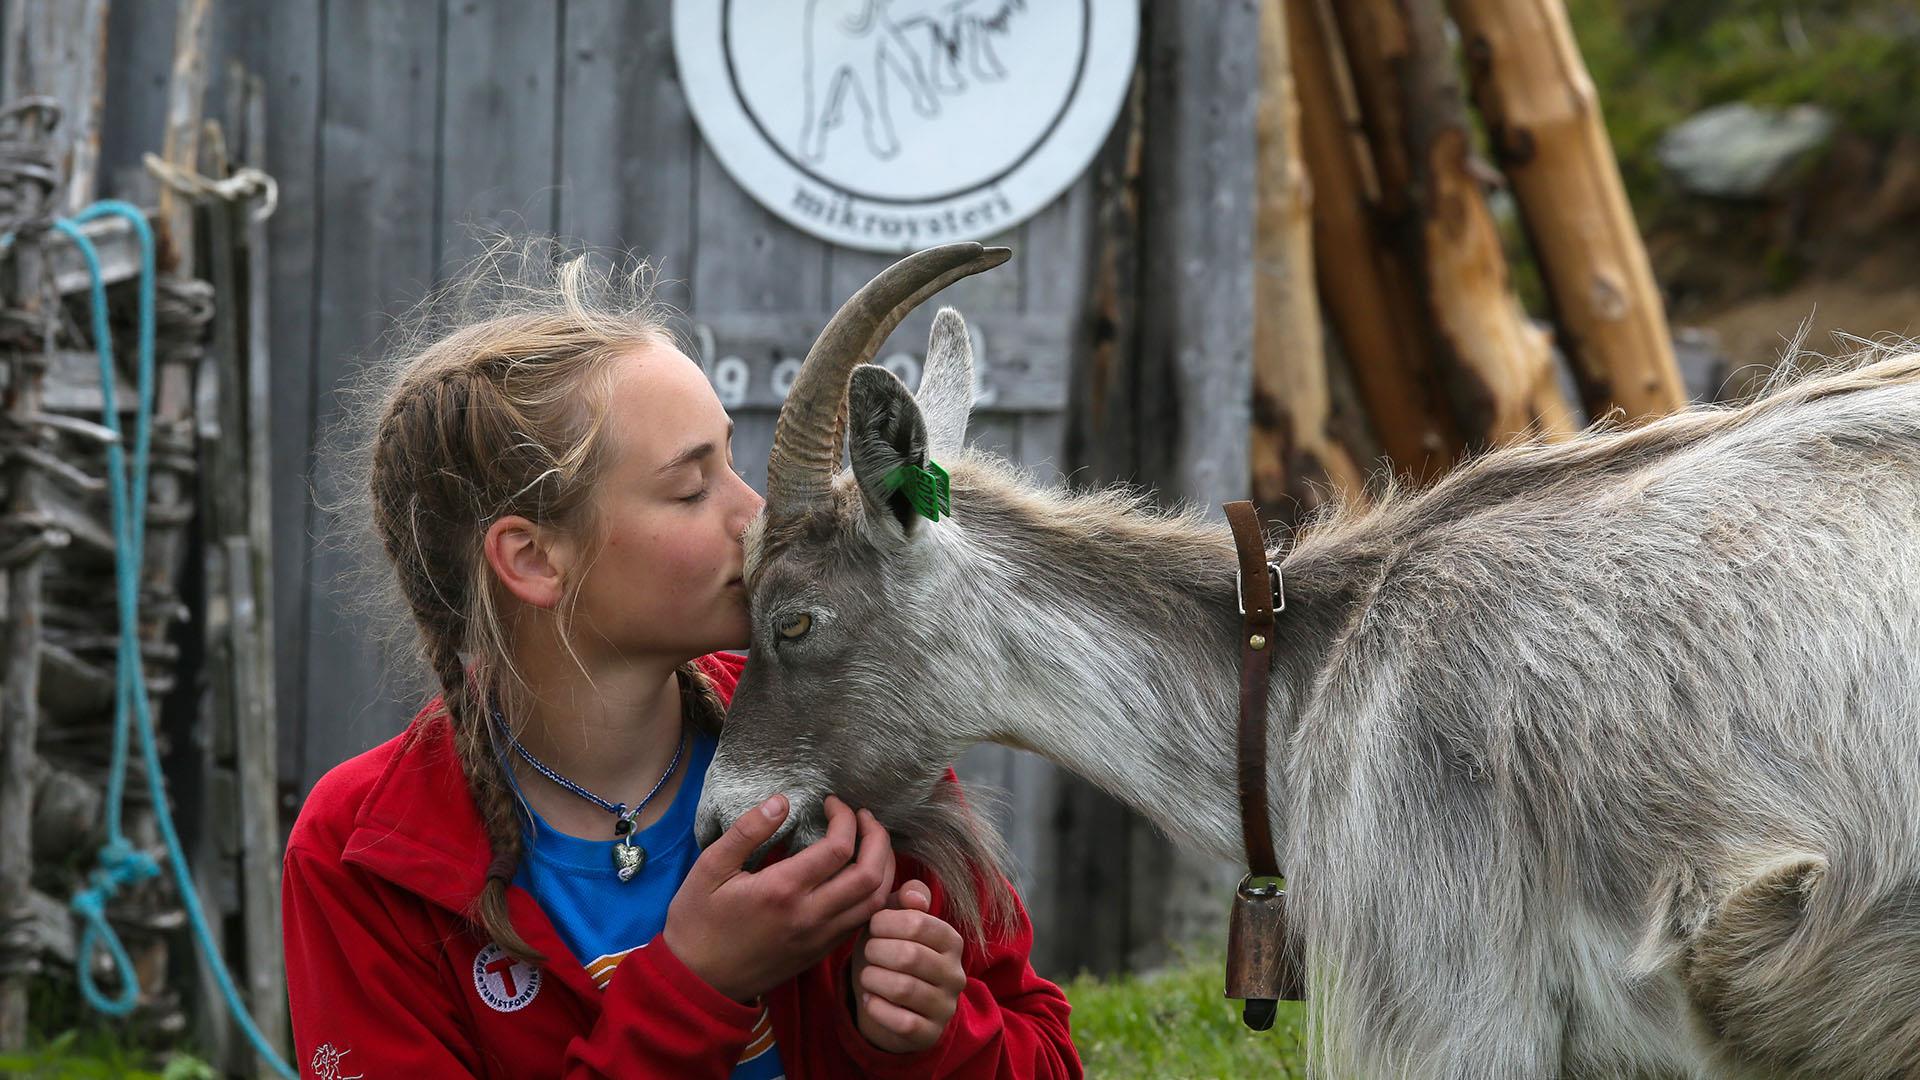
x=796 y=625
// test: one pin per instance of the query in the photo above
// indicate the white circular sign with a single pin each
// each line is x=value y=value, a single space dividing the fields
x=893 y=125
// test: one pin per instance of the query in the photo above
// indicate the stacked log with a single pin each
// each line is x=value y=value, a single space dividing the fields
x=1298 y=462
x=1543 y=120
x=1408 y=257
x=58 y=693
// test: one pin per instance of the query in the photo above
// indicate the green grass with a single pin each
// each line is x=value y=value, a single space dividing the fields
x=96 y=1053
x=1176 y=1024
x=1170 y=1025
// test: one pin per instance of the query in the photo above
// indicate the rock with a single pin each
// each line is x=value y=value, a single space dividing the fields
x=1741 y=151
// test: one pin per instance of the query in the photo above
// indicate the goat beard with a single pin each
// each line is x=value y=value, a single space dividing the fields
x=965 y=854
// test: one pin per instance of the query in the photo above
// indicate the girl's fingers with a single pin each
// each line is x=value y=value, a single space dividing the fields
x=864 y=883
x=915 y=959
x=824 y=857
x=909 y=925
x=914 y=995
x=903 y=1024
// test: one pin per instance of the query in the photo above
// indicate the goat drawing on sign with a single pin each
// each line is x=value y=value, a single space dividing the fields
x=853 y=46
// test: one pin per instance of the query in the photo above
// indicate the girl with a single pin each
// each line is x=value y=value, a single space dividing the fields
x=510 y=887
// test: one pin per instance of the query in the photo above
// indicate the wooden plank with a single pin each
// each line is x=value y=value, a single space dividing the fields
x=255 y=799
x=748 y=263
x=73 y=384
x=753 y=444
x=20 y=692
x=752 y=358
x=996 y=433
x=114 y=242
x=221 y=502
x=139 y=63
x=1043 y=445
x=180 y=141
x=60 y=50
x=747 y=259
x=292 y=49
x=1053 y=253
x=628 y=145
x=497 y=134
x=376 y=253
x=1195 y=351
x=256 y=731
x=1197 y=259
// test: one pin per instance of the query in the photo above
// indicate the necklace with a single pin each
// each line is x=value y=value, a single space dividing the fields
x=628 y=856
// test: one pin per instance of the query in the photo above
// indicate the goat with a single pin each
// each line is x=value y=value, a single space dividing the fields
x=1592 y=759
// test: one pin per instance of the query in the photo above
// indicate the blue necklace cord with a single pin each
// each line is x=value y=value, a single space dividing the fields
x=620 y=811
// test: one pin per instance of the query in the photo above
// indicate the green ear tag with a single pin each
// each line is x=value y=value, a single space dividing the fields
x=926 y=489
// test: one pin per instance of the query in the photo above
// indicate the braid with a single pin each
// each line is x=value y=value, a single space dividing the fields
x=493 y=406
x=699 y=700
x=487 y=781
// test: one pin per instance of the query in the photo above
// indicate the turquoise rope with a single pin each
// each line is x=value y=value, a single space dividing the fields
x=120 y=864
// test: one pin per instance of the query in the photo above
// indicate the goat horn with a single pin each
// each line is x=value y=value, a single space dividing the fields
x=807 y=438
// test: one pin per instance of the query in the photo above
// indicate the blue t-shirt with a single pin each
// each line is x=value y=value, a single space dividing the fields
x=602 y=918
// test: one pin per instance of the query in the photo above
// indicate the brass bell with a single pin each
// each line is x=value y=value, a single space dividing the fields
x=1262 y=967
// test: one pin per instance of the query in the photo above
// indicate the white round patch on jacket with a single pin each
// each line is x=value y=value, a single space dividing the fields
x=504 y=983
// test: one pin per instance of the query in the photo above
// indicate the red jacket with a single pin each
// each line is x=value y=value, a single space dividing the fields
x=386 y=979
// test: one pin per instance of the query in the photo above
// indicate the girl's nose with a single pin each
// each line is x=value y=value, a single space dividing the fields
x=750 y=504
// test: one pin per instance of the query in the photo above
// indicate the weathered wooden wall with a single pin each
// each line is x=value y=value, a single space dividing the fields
x=396 y=125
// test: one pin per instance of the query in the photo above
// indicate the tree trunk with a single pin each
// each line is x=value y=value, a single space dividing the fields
x=1543 y=115
x=1375 y=308
x=1500 y=367
x=1296 y=462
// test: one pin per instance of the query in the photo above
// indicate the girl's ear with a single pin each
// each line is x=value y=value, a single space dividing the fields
x=527 y=560
x=885 y=431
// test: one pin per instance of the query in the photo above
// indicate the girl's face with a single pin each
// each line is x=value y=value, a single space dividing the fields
x=666 y=577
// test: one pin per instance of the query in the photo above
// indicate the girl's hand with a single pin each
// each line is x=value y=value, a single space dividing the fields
x=745 y=933
x=907 y=975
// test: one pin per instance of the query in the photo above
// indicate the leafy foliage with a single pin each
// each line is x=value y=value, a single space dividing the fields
x=1655 y=62
x=77 y=1055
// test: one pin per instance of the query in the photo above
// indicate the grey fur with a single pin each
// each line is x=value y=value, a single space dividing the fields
x=1594 y=759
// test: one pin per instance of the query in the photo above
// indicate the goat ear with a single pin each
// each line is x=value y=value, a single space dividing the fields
x=885 y=431
x=946 y=385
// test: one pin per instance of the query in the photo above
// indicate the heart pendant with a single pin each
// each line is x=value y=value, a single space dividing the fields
x=629 y=858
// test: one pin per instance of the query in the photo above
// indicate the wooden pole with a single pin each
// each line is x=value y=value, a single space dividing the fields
x=180 y=141
x=1369 y=296
x=20 y=695
x=1296 y=462
x=60 y=50
x=1543 y=115
x=1500 y=367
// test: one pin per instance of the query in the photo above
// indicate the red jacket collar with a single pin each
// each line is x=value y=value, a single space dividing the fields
x=419 y=828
